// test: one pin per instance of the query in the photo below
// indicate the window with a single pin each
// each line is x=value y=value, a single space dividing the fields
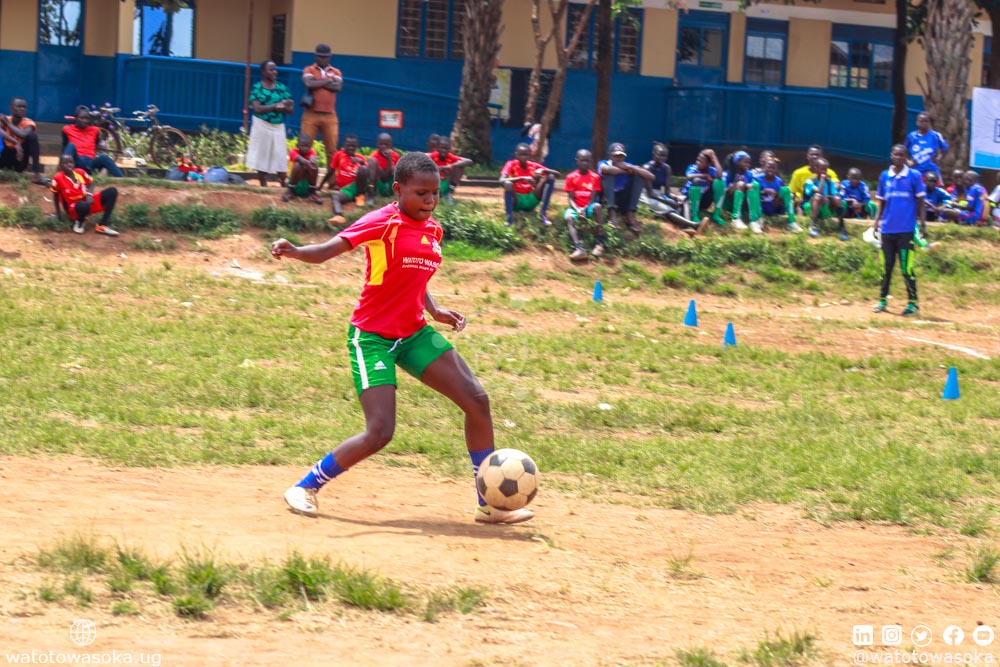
x=626 y=34
x=700 y=46
x=431 y=29
x=861 y=58
x=60 y=23
x=765 y=52
x=157 y=32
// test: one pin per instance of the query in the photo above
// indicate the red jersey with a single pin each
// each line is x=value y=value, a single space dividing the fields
x=84 y=138
x=582 y=185
x=25 y=124
x=444 y=161
x=294 y=154
x=383 y=161
x=513 y=169
x=70 y=188
x=346 y=167
x=402 y=255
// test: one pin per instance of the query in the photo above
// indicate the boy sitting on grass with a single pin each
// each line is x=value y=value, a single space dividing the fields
x=937 y=198
x=855 y=197
x=700 y=176
x=351 y=174
x=659 y=198
x=526 y=184
x=451 y=166
x=821 y=198
x=584 y=189
x=775 y=196
x=382 y=167
x=623 y=184
x=303 y=170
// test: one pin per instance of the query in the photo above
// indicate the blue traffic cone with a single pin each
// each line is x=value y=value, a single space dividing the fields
x=691 y=319
x=951 y=392
x=598 y=292
x=729 y=340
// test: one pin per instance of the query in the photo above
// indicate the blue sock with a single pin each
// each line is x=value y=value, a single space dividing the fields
x=477 y=459
x=508 y=205
x=321 y=473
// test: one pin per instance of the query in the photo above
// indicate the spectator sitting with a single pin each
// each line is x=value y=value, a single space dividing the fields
x=956 y=180
x=822 y=198
x=80 y=142
x=804 y=173
x=451 y=166
x=303 y=170
x=775 y=196
x=966 y=207
x=657 y=195
x=622 y=184
x=20 y=141
x=584 y=189
x=925 y=145
x=737 y=186
x=382 y=167
x=72 y=186
x=855 y=197
x=351 y=175
x=765 y=157
x=526 y=184
x=700 y=176
x=432 y=143
x=937 y=197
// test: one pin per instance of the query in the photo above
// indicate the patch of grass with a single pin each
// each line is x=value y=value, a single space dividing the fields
x=134 y=563
x=163 y=580
x=976 y=522
x=77 y=552
x=792 y=651
x=698 y=657
x=365 y=590
x=153 y=245
x=308 y=577
x=48 y=593
x=75 y=587
x=291 y=218
x=474 y=224
x=120 y=582
x=124 y=608
x=462 y=251
x=983 y=565
x=191 y=605
x=679 y=566
x=138 y=216
x=200 y=220
x=203 y=574
x=462 y=599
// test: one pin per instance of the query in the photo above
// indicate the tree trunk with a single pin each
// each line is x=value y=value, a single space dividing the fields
x=994 y=76
x=947 y=40
x=563 y=54
x=899 y=74
x=605 y=65
x=471 y=132
x=535 y=82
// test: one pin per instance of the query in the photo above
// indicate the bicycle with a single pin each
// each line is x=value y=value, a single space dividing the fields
x=166 y=143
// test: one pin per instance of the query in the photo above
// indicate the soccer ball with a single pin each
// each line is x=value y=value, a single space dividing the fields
x=507 y=479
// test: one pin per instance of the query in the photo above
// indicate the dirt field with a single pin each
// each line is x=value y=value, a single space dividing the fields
x=584 y=584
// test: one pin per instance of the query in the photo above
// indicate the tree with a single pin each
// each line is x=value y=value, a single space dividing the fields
x=605 y=64
x=481 y=39
x=947 y=41
x=557 y=13
x=992 y=9
x=900 y=41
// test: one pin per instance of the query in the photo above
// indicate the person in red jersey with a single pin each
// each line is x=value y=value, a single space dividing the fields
x=303 y=170
x=402 y=244
x=451 y=166
x=350 y=172
x=72 y=186
x=526 y=184
x=81 y=141
x=20 y=141
x=382 y=167
x=583 y=186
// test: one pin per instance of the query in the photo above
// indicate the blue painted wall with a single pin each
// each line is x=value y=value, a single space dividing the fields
x=17 y=77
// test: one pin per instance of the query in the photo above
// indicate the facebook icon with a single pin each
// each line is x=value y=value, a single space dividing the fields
x=953 y=635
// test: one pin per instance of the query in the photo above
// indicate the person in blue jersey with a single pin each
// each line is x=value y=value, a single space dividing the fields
x=925 y=145
x=900 y=198
x=775 y=197
x=937 y=197
x=738 y=187
x=855 y=197
x=700 y=176
x=658 y=195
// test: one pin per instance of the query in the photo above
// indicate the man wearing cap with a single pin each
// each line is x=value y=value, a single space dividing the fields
x=324 y=82
x=622 y=184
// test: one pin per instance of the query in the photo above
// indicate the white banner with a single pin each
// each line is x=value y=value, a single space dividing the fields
x=984 y=145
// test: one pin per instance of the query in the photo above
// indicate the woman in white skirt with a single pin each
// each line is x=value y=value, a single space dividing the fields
x=270 y=102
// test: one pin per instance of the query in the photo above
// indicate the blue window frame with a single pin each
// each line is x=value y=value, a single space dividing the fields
x=861 y=58
x=764 y=59
x=627 y=37
x=431 y=29
x=157 y=32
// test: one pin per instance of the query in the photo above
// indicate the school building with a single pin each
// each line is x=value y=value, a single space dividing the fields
x=775 y=75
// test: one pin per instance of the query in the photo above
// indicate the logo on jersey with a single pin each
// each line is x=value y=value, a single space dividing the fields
x=435 y=246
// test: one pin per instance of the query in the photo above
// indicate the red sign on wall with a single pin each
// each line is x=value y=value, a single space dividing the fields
x=390 y=119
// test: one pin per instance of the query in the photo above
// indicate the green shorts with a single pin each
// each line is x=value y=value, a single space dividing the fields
x=587 y=212
x=445 y=186
x=824 y=211
x=374 y=358
x=384 y=188
x=351 y=189
x=525 y=202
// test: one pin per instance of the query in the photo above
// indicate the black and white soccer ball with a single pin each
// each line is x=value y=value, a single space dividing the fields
x=507 y=479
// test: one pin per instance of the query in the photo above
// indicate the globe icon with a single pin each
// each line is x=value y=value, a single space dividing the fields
x=83 y=632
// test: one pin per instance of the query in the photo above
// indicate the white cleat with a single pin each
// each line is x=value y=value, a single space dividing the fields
x=302 y=500
x=487 y=514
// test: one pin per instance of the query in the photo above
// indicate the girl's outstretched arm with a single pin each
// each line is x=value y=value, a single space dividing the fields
x=312 y=254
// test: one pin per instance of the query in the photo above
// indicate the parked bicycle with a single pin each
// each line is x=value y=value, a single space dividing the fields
x=165 y=143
